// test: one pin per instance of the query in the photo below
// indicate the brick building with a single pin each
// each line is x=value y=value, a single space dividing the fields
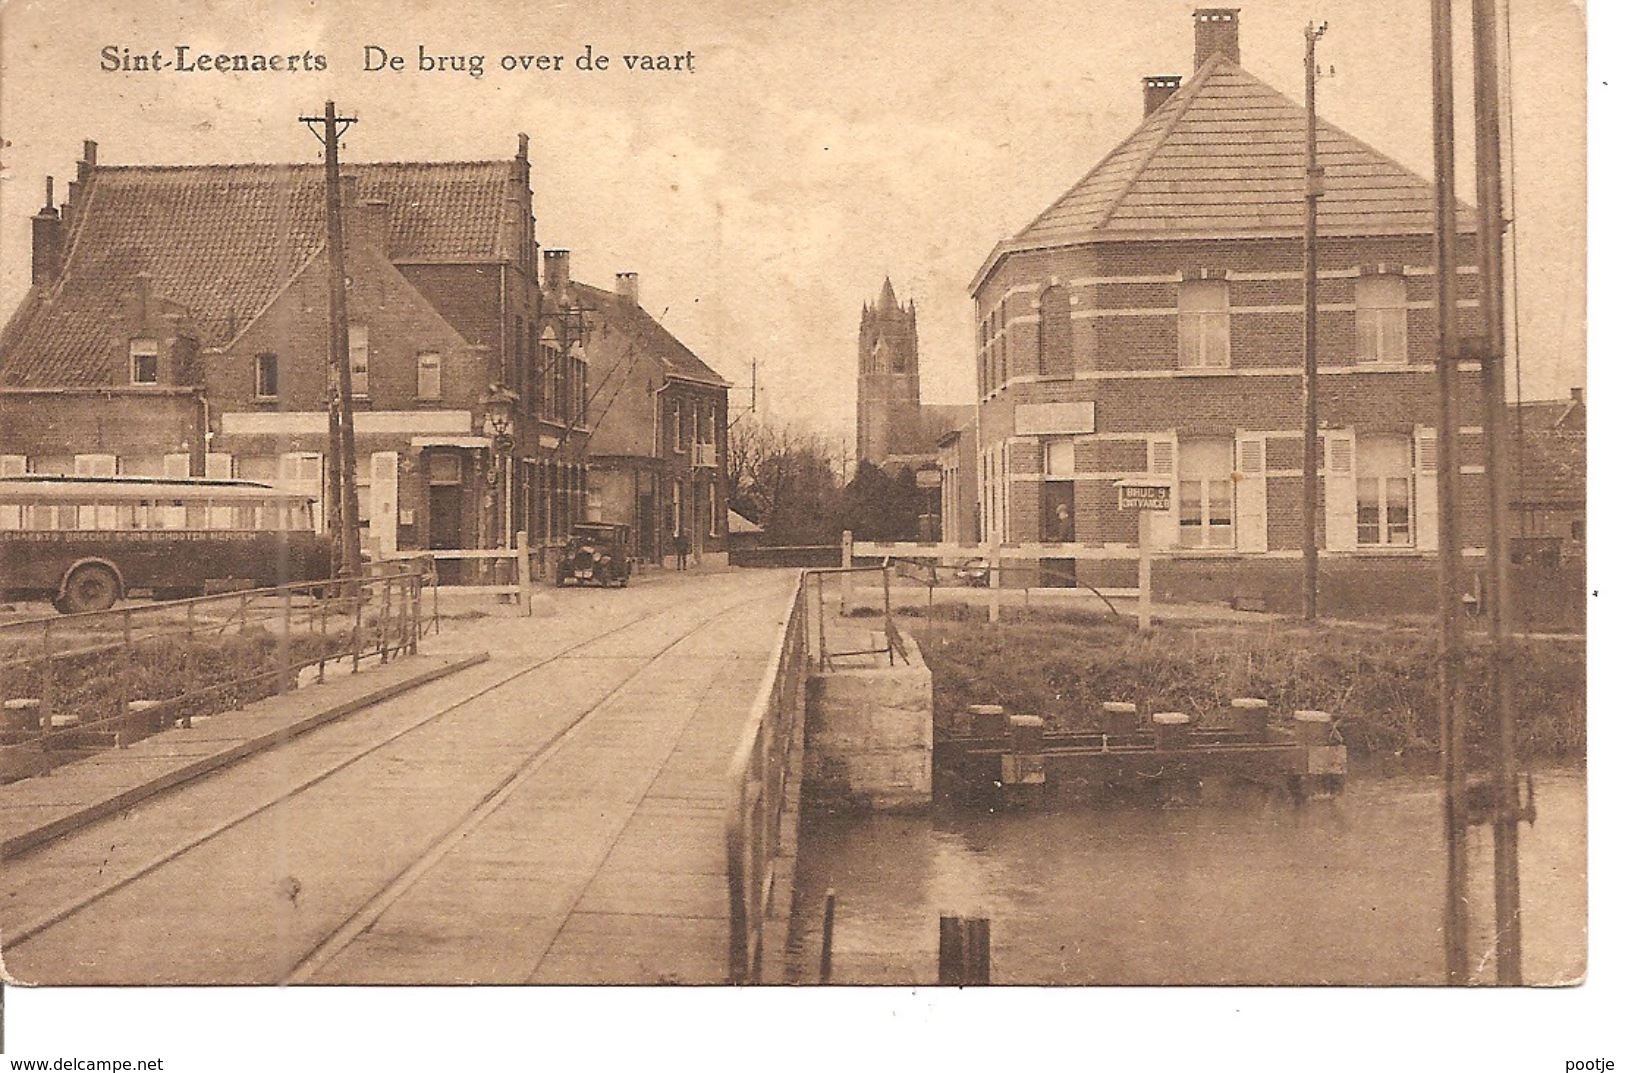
x=178 y=324
x=1548 y=493
x=1149 y=324
x=658 y=417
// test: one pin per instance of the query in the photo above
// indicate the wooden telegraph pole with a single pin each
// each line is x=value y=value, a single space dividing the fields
x=1492 y=355
x=1313 y=187
x=1452 y=725
x=341 y=489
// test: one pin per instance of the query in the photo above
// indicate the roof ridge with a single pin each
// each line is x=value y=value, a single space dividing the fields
x=301 y=165
x=1199 y=79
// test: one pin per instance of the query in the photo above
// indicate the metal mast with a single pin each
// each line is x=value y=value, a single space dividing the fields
x=1313 y=187
x=1492 y=355
x=1452 y=726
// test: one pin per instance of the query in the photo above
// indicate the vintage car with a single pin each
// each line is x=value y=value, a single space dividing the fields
x=596 y=552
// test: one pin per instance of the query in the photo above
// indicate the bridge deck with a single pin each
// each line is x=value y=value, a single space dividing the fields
x=552 y=815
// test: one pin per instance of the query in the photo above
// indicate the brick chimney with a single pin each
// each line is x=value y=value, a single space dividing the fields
x=555 y=271
x=1158 y=88
x=47 y=239
x=626 y=285
x=368 y=226
x=1218 y=30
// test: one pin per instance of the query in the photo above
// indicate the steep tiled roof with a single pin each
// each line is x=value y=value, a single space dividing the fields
x=220 y=241
x=634 y=321
x=1550 y=462
x=1225 y=154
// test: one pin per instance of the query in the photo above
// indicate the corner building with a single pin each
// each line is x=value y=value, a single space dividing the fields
x=1149 y=323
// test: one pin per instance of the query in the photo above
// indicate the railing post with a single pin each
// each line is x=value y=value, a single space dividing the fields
x=47 y=689
x=885 y=594
x=321 y=652
x=125 y=663
x=522 y=571
x=994 y=581
x=354 y=593
x=846 y=576
x=1144 y=622
x=383 y=624
x=417 y=608
x=285 y=646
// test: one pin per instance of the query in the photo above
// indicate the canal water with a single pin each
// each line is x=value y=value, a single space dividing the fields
x=1244 y=891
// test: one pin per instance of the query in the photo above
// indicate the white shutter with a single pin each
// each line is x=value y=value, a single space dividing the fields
x=302 y=472
x=217 y=467
x=1162 y=461
x=1427 y=490
x=1341 y=503
x=385 y=498
x=11 y=517
x=1252 y=496
x=95 y=465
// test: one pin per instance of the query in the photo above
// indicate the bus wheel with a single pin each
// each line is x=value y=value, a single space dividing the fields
x=90 y=588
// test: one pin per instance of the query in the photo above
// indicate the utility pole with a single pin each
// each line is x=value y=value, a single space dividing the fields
x=340 y=421
x=1313 y=187
x=1492 y=356
x=1452 y=724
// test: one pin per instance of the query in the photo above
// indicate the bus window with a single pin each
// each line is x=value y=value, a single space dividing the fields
x=172 y=515
x=196 y=514
x=242 y=516
x=11 y=516
x=303 y=518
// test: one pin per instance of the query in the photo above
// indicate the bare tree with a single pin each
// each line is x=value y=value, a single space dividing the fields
x=784 y=479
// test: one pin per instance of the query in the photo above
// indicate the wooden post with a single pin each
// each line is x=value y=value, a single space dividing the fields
x=826 y=959
x=846 y=565
x=963 y=951
x=125 y=664
x=285 y=646
x=522 y=571
x=1144 y=622
x=993 y=581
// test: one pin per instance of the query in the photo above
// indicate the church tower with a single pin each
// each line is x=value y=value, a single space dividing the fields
x=888 y=380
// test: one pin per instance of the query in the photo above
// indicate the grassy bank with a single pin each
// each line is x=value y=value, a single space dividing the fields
x=1382 y=685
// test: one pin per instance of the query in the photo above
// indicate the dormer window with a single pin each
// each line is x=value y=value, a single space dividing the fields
x=143 y=361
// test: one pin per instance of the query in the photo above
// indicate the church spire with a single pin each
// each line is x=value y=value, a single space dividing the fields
x=888 y=297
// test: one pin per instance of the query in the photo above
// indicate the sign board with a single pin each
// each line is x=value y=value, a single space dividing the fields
x=1055 y=418
x=928 y=478
x=1144 y=497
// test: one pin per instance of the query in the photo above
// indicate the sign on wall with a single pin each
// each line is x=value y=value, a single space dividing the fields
x=1144 y=496
x=1055 y=418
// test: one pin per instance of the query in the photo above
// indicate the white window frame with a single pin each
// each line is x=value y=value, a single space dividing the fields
x=431 y=360
x=261 y=361
x=360 y=370
x=1198 y=317
x=1376 y=310
x=141 y=349
x=1204 y=527
x=1385 y=499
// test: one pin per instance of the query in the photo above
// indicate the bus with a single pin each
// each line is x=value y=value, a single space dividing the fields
x=85 y=542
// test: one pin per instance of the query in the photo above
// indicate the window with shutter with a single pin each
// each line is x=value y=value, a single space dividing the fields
x=1383 y=493
x=1204 y=493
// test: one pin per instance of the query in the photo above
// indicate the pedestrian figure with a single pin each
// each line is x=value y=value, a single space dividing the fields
x=682 y=551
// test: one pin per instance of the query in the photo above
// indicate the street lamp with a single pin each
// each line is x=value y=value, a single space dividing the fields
x=498 y=404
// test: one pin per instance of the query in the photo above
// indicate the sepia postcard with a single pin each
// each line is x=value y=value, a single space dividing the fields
x=1064 y=494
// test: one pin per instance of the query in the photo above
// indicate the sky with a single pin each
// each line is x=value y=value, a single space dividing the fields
x=814 y=148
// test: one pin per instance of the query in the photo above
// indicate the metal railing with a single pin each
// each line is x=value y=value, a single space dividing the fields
x=757 y=780
x=494 y=567
x=107 y=678
x=893 y=646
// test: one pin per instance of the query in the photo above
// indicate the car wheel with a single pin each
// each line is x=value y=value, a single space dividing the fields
x=90 y=588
